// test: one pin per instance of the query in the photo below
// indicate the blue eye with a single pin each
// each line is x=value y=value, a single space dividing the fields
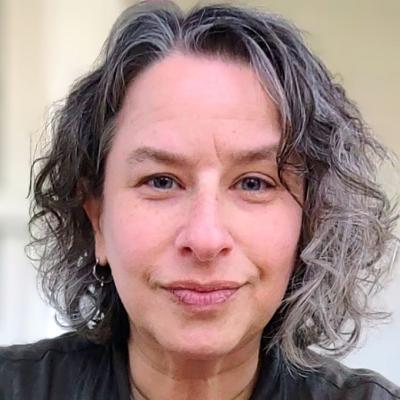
x=254 y=184
x=161 y=182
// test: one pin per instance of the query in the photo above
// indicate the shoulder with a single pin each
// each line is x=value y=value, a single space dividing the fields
x=332 y=381
x=336 y=381
x=67 y=344
x=51 y=368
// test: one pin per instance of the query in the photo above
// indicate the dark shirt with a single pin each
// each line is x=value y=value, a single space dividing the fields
x=70 y=368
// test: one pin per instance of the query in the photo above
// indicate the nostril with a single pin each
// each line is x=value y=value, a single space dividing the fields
x=204 y=236
x=205 y=247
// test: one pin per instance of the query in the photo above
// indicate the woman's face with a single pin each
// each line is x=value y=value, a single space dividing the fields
x=200 y=235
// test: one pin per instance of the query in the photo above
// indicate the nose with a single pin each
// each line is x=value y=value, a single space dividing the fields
x=204 y=235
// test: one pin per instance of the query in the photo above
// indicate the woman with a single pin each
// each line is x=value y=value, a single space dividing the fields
x=206 y=212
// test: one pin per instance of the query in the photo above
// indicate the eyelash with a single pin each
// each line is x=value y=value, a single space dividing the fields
x=146 y=181
x=263 y=182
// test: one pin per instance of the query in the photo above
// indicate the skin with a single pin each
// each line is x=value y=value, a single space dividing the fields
x=213 y=216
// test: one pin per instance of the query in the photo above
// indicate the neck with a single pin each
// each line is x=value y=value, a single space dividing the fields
x=159 y=375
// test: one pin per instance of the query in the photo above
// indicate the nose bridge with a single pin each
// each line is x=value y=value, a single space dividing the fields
x=204 y=234
x=205 y=207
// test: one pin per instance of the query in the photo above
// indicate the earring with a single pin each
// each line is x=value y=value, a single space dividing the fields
x=99 y=277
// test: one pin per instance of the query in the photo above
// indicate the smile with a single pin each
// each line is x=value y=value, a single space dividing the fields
x=202 y=295
x=196 y=298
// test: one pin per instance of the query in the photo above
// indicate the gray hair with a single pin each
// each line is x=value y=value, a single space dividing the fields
x=348 y=221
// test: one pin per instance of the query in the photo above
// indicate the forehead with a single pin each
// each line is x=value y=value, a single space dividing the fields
x=198 y=106
x=196 y=86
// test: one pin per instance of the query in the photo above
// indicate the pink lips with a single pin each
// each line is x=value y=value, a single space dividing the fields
x=203 y=295
x=192 y=297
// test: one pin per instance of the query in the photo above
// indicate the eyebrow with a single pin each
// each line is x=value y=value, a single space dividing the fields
x=142 y=154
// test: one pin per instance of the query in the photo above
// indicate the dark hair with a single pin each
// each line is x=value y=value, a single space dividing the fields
x=347 y=219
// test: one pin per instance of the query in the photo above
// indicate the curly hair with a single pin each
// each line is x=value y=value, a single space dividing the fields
x=348 y=220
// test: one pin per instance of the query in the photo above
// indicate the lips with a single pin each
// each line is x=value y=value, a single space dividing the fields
x=192 y=297
x=202 y=295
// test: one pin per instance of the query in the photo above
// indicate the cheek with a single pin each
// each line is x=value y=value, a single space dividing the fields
x=134 y=241
x=274 y=258
x=271 y=242
x=131 y=235
x=272 y=237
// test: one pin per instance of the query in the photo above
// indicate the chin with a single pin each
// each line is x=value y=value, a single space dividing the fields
x=201 y=345
x=202 y=352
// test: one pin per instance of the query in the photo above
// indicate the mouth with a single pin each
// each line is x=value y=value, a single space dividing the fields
x=202 y=295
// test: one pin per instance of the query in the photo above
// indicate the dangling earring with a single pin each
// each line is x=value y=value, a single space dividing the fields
x=100 y=278
x=97 y=296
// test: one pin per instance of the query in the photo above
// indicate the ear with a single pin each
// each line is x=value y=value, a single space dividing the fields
x=93 y=209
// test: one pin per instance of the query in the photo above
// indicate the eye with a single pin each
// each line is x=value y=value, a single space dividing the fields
x=161 y=182
x=254 y=184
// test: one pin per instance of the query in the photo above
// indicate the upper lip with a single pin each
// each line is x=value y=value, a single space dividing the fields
x=203 y=286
